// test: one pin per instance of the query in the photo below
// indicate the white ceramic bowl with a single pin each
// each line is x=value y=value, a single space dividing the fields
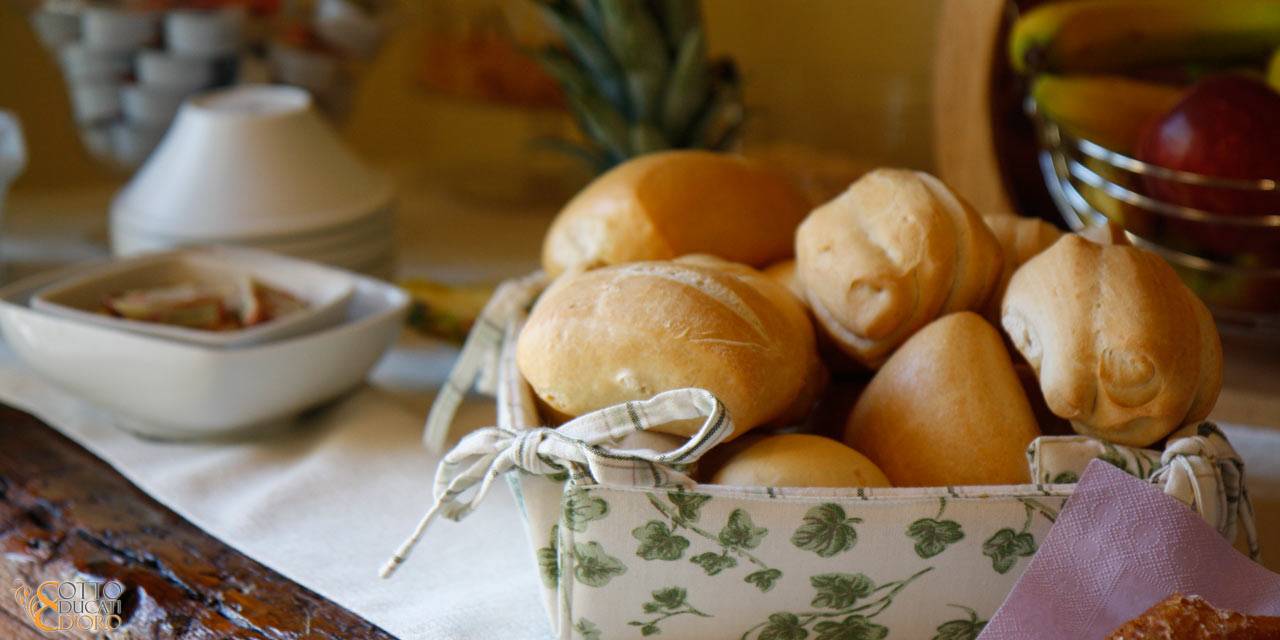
x=177 y=73
x=326 y=292
x=163 y=389
x=250 y=161
x=117 y=29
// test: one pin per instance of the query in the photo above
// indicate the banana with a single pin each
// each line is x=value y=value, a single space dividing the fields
x=1098 y=36
x=1108 y=110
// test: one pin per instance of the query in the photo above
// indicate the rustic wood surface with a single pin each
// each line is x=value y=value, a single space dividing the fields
x=64 y=513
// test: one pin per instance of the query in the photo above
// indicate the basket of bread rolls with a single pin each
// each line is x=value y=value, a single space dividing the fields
x=728 y=411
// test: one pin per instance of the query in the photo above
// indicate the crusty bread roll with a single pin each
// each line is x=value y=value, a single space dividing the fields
x=784 y=273
x=894 y=252
x=1180 y=617
x=816 y=374
x=628 y=332
x=798 y=460
x=1122 y=348
x=946 y=409
x=663 y=205
x=1020 y=239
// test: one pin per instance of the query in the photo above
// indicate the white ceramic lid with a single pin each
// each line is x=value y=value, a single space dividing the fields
x=249 y=161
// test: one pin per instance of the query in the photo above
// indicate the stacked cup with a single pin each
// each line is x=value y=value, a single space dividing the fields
x=256 y=166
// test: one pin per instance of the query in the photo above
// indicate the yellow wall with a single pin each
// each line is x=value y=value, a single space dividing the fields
x=846 y=75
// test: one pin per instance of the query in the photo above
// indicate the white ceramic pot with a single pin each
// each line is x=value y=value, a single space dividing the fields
x=174 y=72
x=80 y=63
x=56 y=26
x=95 y=101
x=249 y=162
x=150 y=106
x=205 y=34
x=111 y=29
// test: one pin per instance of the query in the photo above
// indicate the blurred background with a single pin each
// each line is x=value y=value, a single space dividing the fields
x=847 y=77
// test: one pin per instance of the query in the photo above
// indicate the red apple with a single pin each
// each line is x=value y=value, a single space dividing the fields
x=1226 y=126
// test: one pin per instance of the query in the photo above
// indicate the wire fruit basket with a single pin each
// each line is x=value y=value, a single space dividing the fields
x=1230 y=259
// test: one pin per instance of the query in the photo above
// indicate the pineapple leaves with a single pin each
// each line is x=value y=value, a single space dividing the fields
x=689 y=86
x=637 y=43
x=636 y=76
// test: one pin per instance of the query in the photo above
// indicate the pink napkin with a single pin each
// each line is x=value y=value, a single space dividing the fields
x=1119 y=546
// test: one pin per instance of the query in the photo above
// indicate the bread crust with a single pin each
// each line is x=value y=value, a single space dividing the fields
x=946 y=409
x=1020 y=240
x=1122 y=348
x=630 y=331
x=664 y=205
x=891 y=254
x=798 y=460
x=1180 y=617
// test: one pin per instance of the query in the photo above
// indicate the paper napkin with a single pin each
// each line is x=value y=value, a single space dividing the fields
x=1119 y=546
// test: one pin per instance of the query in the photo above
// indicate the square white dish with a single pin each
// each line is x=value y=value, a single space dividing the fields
x=326 y=292
x=163 y=389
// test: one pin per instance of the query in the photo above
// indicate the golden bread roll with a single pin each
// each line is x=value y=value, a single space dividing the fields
x=628 y=332
x=1122 y=347
x=798 y=460
x=816 y=375
x=663 y=205
x=784 y=273
x=1020 y=239
x=946 y=409
x=891 y=254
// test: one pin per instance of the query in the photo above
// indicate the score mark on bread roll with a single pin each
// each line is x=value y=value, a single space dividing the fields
x=1122 y=348
x=628 y=332
x=895 y=251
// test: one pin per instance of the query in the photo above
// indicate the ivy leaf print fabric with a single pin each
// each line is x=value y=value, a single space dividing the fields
x=587 y=630
x=714 y=563
x=740 y=532
x=764 y=580
x=688 y=505
x=932 y=536
x=657 y=542
x=826 y=531
x=783 y=626
x=593 y=567
x=1006 y=546
x=581 y=507
x=549 y=559
x=961 y=629
x=840 y=590
x=854 y=627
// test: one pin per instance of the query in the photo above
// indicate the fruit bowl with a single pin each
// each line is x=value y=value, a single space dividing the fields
x=1231 y=261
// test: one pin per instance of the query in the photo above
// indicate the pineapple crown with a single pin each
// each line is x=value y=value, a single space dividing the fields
x=636 y=76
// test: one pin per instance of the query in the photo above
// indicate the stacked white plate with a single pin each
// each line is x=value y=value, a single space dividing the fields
x=256 y=166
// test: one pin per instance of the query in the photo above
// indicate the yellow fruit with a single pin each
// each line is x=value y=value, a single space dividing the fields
x=1095 y=36
x=1108 y=110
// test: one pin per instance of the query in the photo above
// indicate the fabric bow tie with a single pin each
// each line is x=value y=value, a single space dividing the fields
x=585 y=448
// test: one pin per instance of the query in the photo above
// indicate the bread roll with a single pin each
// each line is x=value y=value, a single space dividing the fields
x=816 y=374
x=1122 y=348
x=798 y=460
x=894 y=252
x=1020 y=239
x=663 y=205
x=628 y=332
x=784 y=273
x=946 y=409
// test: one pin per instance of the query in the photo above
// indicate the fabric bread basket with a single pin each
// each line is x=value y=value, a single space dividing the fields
x=628 y=546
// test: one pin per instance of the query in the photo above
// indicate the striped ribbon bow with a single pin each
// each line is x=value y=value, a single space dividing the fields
x=585 y=448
